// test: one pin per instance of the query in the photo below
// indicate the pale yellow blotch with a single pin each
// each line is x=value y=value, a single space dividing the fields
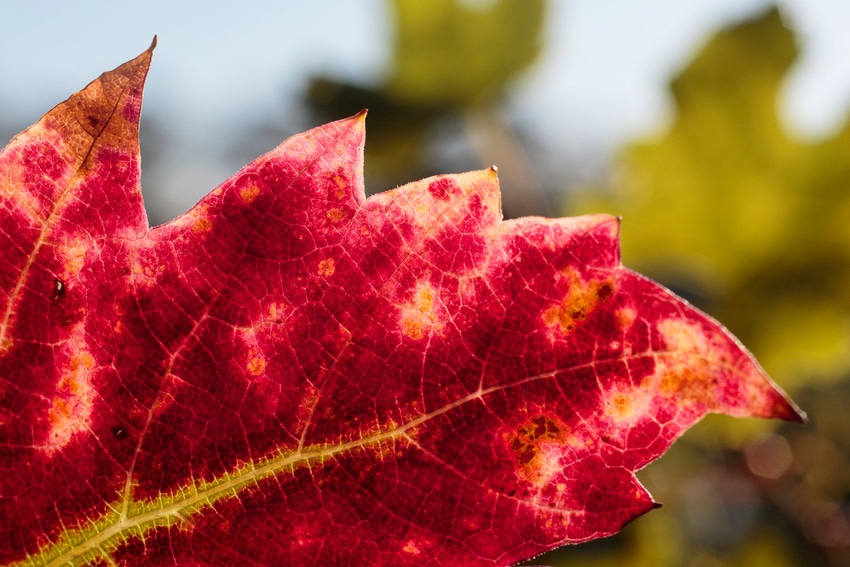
x=626 y=407
x=420 y=317
x=683 y=336
x=71 y=407
x=327 y=267
x=248 y=194
x=689 y=372
x=145 y=268
x=625 y=318
x=75 y=257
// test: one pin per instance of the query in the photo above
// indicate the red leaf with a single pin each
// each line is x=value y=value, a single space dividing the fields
x=292 y=374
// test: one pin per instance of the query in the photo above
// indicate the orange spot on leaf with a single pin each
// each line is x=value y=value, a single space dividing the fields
x=581 y=299
x=256 y=365
x=336 y=215
x=327 y=267
x=248 y=194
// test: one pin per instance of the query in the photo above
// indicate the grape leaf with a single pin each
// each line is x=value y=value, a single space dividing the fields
x=292 y=374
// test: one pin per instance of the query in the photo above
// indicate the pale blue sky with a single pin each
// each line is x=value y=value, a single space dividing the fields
x=601 y=81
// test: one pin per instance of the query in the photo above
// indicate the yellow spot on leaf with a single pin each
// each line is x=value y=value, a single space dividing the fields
x=341 y=186
x=682 y=335
x=622 y=408
x=278 y=311
x=411 y=547
x=71 y=407
x=419 y=317
x=201 y=225
x=581 y=299
x=327 y=267
x=691 y=372
x=248 y=194
x=199 y=219
x=75 y=256
x=256 y=365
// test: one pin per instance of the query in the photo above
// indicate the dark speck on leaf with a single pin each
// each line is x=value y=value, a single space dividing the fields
x=119 y=432
x=58 y=288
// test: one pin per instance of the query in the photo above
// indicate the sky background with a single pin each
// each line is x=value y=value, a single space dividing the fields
x=602 y=78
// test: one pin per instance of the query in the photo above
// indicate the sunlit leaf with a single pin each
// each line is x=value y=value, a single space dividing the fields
x=292 y=374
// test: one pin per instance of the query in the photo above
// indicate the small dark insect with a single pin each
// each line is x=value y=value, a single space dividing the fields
x=58 y=288
x=119 y=432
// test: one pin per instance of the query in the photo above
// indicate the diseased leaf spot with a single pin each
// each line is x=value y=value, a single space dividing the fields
x=327 y=267
x=58 y=289
x=72 y=405
x=625 y=318
x=93 y=121
x=581 y=299
x=604 y=291
x=411 y=547
x=420 y=316
x=621 y=406
x=336 y=215
x=684 y=336
x=256 y=365
x=338 y=185
x=249 y=193
x=536 y=447
x=201 y=225
x=75 y=257
x=685 y=383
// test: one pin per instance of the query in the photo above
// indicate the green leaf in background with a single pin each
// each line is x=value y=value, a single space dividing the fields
x=753 y=221
x=486 y=47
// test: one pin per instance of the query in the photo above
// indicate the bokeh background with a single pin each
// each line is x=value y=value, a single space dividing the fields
x=717 y=128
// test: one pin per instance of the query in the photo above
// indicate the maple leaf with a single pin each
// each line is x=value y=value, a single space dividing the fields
x=292 y=374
